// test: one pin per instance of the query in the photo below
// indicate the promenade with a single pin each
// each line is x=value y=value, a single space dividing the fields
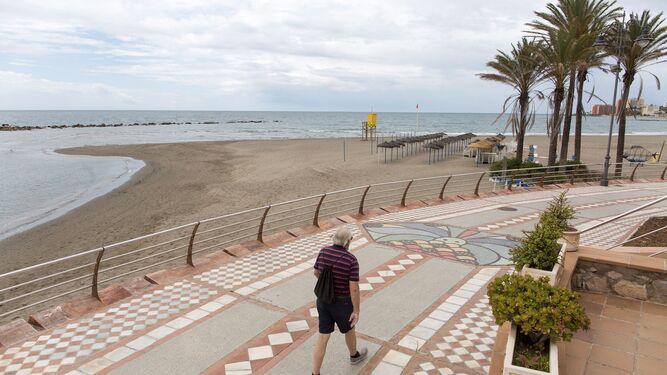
x=424 y=308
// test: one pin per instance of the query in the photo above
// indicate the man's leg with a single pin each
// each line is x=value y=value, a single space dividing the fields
x=351 y=341
x=318 y=353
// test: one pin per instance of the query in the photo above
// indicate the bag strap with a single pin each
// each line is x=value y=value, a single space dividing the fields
x=336 y=261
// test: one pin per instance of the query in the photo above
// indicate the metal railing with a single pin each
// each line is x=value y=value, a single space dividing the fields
x=31 y=287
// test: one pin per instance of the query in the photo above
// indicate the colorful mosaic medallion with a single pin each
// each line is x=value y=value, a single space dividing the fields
x=468 y=246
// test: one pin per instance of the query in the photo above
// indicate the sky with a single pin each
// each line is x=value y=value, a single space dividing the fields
x=286 y=55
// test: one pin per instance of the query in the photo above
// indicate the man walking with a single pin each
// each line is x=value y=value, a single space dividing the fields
x=344 y=311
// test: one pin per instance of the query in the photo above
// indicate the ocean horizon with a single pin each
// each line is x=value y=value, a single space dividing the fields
x=45 y=184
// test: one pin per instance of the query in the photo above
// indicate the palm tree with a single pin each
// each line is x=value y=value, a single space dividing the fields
x=556 y=55
x=523 y=71
x=583 y=20
x=635 y=58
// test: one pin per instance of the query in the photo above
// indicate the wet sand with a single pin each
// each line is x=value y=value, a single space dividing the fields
x=186 y=182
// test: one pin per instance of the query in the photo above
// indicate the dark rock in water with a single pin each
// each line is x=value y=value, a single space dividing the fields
x=210 y=122
x=188 y=123
x=246 y=121
x=13 y=128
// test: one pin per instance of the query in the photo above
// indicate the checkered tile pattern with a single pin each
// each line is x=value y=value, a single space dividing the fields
x=616 y=201
x=470 y=341
x=615 y=232
x=149 y=339
x=508 y=222
x=428 y=327
x=394 y=362
x=261 y=263
x=524 y=218
x=390 y=271
x=65 y=346
x=274 y=343
x=431 y=211
x=428 y=368
x=525 y=196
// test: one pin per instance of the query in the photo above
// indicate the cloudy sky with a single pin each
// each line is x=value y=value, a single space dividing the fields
x=264 y=55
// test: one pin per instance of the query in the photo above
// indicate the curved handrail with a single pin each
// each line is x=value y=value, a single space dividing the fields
x=220 y=234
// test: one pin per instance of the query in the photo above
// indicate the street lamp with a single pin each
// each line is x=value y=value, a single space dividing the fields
x=643 y=41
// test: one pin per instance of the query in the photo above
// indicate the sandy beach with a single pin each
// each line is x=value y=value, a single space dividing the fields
x=185 y=182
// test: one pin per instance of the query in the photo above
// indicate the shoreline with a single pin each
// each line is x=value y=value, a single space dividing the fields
x=184 y=182
x=76 y=199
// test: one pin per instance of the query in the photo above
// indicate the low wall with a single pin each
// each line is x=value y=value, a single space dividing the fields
x=619 y=280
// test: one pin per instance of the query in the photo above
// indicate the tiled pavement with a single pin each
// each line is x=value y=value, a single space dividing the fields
x=453 y=335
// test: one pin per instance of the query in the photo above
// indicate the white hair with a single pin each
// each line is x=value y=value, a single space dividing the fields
x=342 y=236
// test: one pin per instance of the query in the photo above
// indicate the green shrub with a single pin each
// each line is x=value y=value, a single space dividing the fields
x=530 y=164
x=539 y=310
x=539 y=248
x=559 y=211
x=572 y=165
x=515 y=164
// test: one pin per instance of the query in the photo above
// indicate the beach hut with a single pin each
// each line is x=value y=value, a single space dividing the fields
x=483 y=151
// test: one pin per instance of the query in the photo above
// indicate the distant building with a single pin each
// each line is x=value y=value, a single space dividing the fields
x=637 y=103
x=649 y=110
x=601 y=109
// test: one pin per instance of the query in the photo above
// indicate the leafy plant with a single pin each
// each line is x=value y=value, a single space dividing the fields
x=559 y=211
x=515 y=164
x=539 y=310
x=535 y=357
x=539 y=248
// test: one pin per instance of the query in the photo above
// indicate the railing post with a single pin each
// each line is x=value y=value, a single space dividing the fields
x=405 y=193
x=632 y=176
x=662 y=177
x=572 y=177
x=190 y=245
x=479 y=182
x=316 y=221
x=442 y=191
x=544 y=174
x=261 y=224
x=363 y=198
x=96 y=272
x=509 y=186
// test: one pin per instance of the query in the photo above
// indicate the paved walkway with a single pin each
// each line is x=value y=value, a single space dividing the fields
x=424 y=311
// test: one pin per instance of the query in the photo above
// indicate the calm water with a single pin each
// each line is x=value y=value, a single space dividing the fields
x=38 y=185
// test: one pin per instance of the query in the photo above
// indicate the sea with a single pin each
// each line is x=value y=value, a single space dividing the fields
x=37 y=184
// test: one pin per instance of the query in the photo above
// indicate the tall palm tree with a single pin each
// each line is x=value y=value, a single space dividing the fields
x=521 y=69
x=583 y=20
x=556 y=54
x=635 y=59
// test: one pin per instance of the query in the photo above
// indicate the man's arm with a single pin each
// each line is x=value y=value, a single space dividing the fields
x=316 y=272
x=356 y=302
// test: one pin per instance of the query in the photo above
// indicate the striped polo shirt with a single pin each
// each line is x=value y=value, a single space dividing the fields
x=345 y=267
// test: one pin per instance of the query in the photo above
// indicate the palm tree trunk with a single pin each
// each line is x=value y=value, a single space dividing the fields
x=565 y=142
x=620 y=145
x=581 y=80
x=523 y=125
x=554 y=126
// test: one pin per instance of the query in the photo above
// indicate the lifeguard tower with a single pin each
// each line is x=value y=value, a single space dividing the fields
x=368 y=127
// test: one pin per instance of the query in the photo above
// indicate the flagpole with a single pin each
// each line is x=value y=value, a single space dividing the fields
x=417 y=119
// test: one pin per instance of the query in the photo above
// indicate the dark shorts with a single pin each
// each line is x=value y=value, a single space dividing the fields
x=335 y=313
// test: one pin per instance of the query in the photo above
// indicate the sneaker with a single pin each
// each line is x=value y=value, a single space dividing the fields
x=360 y=356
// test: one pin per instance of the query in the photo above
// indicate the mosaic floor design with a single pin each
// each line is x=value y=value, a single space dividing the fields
x=467 y=246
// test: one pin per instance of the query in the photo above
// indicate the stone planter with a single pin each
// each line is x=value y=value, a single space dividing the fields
x=571 y=238
x=555 y=273
x=510 y=369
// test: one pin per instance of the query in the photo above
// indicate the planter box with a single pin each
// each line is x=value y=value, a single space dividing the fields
x=571 y=239
x=553 y=275
x=510 y=369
